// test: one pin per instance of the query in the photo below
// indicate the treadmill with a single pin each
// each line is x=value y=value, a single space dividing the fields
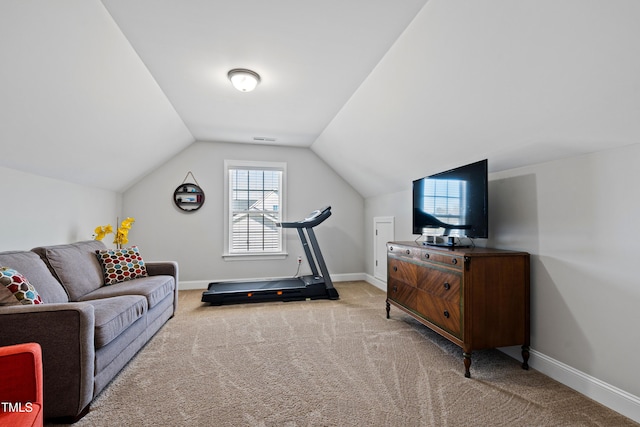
x=318 y=285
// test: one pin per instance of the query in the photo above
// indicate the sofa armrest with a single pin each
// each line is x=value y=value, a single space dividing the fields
x=168 y=268
x=65 y=333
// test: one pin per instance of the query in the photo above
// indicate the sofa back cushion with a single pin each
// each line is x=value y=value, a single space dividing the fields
x=35 y=270
x=75 y=265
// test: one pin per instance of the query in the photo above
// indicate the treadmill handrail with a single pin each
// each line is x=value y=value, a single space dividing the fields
x=314 y=219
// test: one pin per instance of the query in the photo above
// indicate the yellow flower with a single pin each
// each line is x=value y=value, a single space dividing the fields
x=102 y=231
x=120 y=235
x=126 y=223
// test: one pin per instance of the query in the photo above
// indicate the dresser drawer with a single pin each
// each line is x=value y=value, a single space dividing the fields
x=402 y=270
x=441 y=312
x=402 y=293
x=440 y=283
x=403 y=251
x=453 y=261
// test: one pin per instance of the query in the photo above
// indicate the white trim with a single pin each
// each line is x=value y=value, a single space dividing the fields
x=372 y=280
x=348 y=277
x=192 y=285
x=253 y=256
x=249 y=164
x=612 y=397
x=189 y=285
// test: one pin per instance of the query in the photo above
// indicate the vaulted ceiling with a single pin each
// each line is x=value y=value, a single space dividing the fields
x=311 y=56
x=102 y=92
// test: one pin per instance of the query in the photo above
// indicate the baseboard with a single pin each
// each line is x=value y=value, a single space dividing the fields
x=187 y=285
x=190 y=285
x=612 y=397
x=376 y=282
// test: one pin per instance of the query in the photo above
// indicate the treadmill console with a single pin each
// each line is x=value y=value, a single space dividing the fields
x=314 y=218
x=317 y=213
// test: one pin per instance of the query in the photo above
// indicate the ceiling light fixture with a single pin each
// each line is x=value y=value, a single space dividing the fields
x=244 y=80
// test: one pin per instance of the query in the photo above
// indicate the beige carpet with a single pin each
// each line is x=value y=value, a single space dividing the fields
x=326 y=363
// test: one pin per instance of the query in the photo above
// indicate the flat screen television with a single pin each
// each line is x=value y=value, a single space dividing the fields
x=453 y=203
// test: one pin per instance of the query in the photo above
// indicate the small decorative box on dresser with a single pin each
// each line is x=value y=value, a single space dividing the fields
x=477 y=298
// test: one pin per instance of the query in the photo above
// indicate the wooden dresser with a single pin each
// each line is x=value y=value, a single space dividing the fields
x=477 y=298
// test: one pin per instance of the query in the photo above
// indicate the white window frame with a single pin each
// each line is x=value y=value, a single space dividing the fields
x=228 y=254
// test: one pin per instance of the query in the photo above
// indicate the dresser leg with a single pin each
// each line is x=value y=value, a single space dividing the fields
x=467 y=364
x=388 y=309
x=525 y=357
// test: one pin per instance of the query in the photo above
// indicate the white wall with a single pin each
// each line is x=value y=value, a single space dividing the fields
x=44 y=211
x=195 y=239
x=578 y=217
x=78 y=104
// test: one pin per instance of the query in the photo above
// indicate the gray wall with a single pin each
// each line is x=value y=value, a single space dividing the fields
x=195 y=239
x=578 y=217
x=44 y=211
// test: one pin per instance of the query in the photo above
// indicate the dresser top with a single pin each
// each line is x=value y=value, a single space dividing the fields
x=460 y=251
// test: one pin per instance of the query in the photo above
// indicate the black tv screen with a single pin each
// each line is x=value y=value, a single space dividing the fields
x=454 y=201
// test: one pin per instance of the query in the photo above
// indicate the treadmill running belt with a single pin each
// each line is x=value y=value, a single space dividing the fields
x=225 y=287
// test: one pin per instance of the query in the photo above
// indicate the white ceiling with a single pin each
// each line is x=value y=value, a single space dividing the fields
x=311 y=56
x=101 y=92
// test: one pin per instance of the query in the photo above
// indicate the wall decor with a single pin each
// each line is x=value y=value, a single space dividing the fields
x=188 y=196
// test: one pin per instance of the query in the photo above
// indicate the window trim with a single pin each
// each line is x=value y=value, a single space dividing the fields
x=250 y=164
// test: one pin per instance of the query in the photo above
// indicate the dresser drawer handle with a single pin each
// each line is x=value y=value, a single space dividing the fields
x=447 y=286
x=454 y=261
x=390 y=248
x=408 y=252
x=395 y=268
x=395 y=288
x=446 y=314
x=426 y=256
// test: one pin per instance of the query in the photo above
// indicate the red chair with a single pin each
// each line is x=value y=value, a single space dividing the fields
x=21 y=385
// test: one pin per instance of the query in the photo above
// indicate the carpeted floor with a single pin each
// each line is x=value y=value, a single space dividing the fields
x=326 y=363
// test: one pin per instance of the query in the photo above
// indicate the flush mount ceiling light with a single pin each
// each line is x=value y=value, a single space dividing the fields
x=244 y=80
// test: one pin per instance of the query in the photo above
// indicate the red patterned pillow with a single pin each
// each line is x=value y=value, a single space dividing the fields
x=119 y=265
x=19 y=286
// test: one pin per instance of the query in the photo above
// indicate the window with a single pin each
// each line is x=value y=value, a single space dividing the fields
x=255 y=204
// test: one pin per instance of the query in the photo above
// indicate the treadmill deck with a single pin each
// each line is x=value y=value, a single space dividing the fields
x=288 y=289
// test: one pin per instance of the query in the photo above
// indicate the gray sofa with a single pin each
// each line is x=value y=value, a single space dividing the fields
x=88 y=331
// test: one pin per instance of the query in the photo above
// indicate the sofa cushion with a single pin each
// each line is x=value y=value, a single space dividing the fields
x=19 y=286
x=115 y=315
x=75 y=265
x=120 y=265
x=35 y=270
x=153 y=288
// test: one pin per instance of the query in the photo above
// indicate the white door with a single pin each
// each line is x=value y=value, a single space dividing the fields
x=382 y=233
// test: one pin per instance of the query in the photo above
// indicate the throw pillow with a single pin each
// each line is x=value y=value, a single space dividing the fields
x=119 y=265
x=19 y=286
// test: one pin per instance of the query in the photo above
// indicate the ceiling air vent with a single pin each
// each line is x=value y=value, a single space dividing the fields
x=264 y=139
